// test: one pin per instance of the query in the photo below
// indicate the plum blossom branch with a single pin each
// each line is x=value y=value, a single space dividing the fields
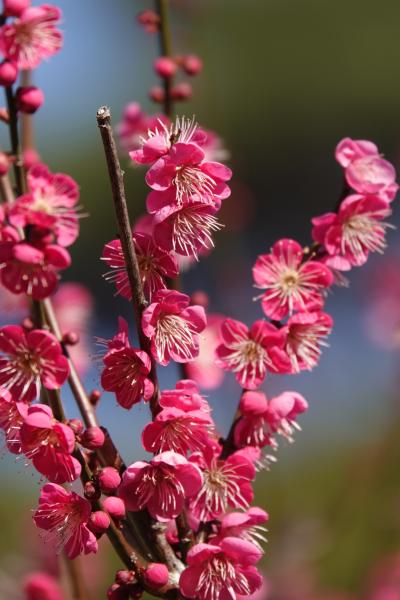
x=166 y=50
x=139 y=301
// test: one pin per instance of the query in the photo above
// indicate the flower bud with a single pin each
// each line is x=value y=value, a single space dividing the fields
x=200 y=298
x=94 y=397
x=135 y=592
x=115 y=507
x=13 y=8
x=124 y=577
x=76 y=426
x=41 y=586
x=29 y=99
x=71 y=338
x=109 y=479
x=192 y=64
x=99 y=521
x=182 y=91
x=117 y=592
x=157 y=94
x=165 y=67
x=27 y=324
x=156 y=575
x=150 y=21
x=30 y=158
x=93 y=438
x=91 y=491
x=8 y=73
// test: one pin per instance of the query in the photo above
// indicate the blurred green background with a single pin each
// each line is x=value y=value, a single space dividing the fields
x=284 y=81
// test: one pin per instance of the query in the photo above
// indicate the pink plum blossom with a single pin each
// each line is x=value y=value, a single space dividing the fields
x=31 y=37
x=12 y=416
x=49 y=444
x=180 y=426
x=50 y=204
x=365 y=169
x=248 y=525
x=155 y=264
x=65 y=515
x=73 y=304
x=226 y=483
x=306 y=333
x=222 y=571
x=178 y=164
x=136 y=124
x=126 y=370
x=185 y=396
x=31 y=270
x=263 y=418
x=249 y=353
x=173 y=327
x=381 y=314
x=42 y=586
x=161 y=486
x=203 y=369
x=354 y=231
x=29 y=360
x=211 y=144
x=291 y=283
x=186 y=228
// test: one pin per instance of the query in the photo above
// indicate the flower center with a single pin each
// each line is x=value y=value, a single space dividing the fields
x=191 y=180
x=174 y=334
x=192 y=229
x=363 y=232
x=221 y=575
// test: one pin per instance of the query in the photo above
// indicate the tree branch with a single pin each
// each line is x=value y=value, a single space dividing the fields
x=139 y=302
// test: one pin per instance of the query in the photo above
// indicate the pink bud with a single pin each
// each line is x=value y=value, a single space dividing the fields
x=200 y=297
x=27 y=324
x=8 y=73
x=41 y=586
x=29 y=99
x=182 y=91
x=30 y=158
x=109 y=479
x=90 y=491
x=4 y=163
x=156 y=575
x=13 y=8
x=94 y=397
x=76 y=426
x=93 y=438
x=157 y=94
x=165 y=66
x=192 y=64
x=116 y=592
x=115 y=506
x=150 y=21
x=99 y=521
x=71 y=338
x=124 y=577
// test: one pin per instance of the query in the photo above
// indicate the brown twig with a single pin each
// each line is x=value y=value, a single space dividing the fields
x=27 y=131
x=15 y=145
x=139 y=302
x=165 y=50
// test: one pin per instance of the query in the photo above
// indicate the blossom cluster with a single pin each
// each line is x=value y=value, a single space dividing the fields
x=196 y=489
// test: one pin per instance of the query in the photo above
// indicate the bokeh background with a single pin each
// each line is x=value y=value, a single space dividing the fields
x=283 y=81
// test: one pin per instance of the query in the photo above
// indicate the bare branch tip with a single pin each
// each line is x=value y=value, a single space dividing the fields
x=103 y=114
